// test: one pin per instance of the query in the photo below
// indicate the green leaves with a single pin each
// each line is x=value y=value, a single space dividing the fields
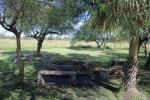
x=87 y=34
x=129 y=14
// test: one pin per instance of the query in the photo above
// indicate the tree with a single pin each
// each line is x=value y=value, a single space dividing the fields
x=132 y=16
x=46 y=22
x=40 y=35
x=87 y=34
x=143 y=41
x=13 y=18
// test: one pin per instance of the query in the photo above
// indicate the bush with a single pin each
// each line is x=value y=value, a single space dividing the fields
x=108 y=47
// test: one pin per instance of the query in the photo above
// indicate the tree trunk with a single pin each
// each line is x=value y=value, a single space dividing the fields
x=145 y=49
x=39 y=46
x=131 y=69
x=130 y=73
x=20 y=61
x=98 y=45
x=102 y=43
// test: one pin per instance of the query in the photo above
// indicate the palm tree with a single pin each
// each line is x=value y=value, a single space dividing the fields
x=132 y=16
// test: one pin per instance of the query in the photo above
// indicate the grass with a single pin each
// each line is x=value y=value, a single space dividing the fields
x=31 y=44
x=61 y=49
x=48 y=44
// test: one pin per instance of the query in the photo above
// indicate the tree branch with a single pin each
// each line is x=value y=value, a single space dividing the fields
x=14 y=21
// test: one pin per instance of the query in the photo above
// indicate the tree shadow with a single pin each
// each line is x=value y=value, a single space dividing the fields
x=9 y=75
x=144 y=80
x=29 y=90
x=6 y=79
x=88 y=48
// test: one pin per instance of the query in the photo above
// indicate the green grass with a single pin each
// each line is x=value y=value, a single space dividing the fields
x=48 y=44
x=54 y=50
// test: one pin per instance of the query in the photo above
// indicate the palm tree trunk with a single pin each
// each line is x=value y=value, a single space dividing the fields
x=130 y=73
x=20 y=61
x=131 y=69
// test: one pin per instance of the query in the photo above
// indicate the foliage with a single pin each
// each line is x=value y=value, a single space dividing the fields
x=16 y=12
x=110 y=15
x=47 y=21
x=87 y=34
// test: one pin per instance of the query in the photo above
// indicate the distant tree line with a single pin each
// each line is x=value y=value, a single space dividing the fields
x=3 y=36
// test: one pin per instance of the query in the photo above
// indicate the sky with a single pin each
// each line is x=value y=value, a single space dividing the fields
x=3 y=31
